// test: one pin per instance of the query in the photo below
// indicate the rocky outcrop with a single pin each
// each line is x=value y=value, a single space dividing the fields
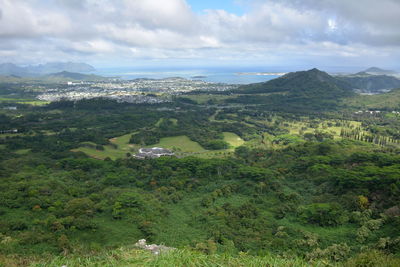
x=155 y=249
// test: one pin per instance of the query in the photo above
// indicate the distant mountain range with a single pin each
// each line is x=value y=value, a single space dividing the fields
x=367 y=83
x=378 y=71
x=10 y=69
x=74 y=76
x=372 y=80
x=63 y=76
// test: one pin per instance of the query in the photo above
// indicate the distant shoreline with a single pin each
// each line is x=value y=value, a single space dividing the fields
x=262 y=73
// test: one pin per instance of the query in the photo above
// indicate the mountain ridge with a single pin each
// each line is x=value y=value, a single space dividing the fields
x=305 y=83
x=376 y=70
x=74 y=76
x=42 y=69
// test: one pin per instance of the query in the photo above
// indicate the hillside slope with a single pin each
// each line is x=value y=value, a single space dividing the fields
x=302 y=83
x=365 y=82
x=386 y=101
x=302 y=91
x=379 y=71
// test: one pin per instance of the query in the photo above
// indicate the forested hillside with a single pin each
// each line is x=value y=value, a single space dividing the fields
x=248 y=184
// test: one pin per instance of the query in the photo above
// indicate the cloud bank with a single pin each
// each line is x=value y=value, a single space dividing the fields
x=270 y=32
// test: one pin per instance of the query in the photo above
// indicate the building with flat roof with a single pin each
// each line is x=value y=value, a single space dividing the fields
x=151 y=153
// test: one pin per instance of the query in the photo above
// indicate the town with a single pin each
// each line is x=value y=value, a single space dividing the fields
x=133 y=91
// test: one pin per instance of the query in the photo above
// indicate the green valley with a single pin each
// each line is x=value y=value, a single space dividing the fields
x=297 y=171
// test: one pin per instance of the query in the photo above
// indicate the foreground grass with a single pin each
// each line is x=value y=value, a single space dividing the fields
x=125 y=257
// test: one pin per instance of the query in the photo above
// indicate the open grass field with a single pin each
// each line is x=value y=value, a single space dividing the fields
x=122 y=147
x=182 y=146
x=108 y=152
x=22 y=151
x=233 y=139
x=296 y=127
x=203 y=99
x=174 y=121
x=33 y=102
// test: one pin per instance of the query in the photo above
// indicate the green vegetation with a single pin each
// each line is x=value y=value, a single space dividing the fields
x=371 y=83
x=179 y=144
x=125 y=257
x=387 y=101
x=233 y=139
x=252 y=185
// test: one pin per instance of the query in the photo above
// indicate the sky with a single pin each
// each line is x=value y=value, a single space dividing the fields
x=111 y=33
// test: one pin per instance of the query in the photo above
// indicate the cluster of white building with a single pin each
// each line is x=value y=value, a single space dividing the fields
x=124 y=90
x=151 y=153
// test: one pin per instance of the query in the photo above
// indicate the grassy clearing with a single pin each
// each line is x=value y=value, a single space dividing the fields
x=233 y=139
x=296 y=127
x=108 y=152
x=180 y=215
x=33 y=102
x=22 y=151
x=11 y=135
x=174 y=122
x=203 y=99
x=123 y=142
x=119 y=150
x=180 y=144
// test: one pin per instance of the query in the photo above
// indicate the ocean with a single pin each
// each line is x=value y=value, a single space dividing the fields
x=216 y=75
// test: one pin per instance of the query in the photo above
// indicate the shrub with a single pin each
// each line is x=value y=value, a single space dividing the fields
x=323 y=214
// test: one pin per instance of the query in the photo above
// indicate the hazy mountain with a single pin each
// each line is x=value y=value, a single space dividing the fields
x=378 y=71
x=61 y=66
x=11 y=69
x=35 y=70
x=366 y=82
x=74 y=76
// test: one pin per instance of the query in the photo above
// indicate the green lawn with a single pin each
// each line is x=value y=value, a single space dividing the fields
x=33 y=102
x=179 y=143
x=101 y=154
x=202 y=99
x=174 y=122
x=122 y=143
x=295 y=127
x=22 y=151
x=233 y=139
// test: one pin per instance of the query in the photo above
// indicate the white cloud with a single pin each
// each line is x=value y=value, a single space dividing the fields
x=274 y=30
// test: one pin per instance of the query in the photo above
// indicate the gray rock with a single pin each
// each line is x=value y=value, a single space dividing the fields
x=155 y=249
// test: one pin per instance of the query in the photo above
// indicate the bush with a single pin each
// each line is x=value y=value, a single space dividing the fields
x=216 y=145
x=79 y=206
x=323 y=214
x=373 y=258
x=336 y=252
